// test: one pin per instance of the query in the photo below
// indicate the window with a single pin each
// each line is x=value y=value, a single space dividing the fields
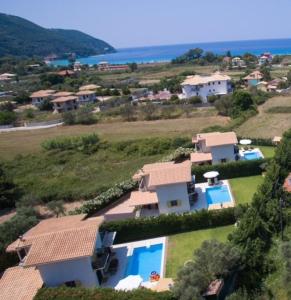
x=219 y=82
x=223 y=160
x=174 y=203
x=208 y=83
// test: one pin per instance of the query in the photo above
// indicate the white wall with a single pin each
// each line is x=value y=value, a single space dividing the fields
x=167 y=193
x=72 y=270
x=222 y=152
x=205 y=90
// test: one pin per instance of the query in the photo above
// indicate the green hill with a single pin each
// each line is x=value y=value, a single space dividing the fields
x=20 y=37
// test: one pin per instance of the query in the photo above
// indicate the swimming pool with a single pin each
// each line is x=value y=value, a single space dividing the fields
x=252 y=155
x=218 y=194
x=144 y=260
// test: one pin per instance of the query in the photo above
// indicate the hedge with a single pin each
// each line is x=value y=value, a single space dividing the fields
x=231 y=170
x=106 y=198
x=65 y=293
x=258 y=141
x=144 y=228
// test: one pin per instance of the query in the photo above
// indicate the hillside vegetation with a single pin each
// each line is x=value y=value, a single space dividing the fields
x=21 y=37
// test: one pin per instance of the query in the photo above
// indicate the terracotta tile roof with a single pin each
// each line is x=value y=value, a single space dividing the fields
x=197 y=79
x=165 y=173
x=287 y=184
x=64 y=99
x=42 y=93
x=142 y=198
x=59 y=239
x=81 y=93
x=19 y=283
x=63 y=94
x=213 y=139
x=200 y=157
x=254 y=75
x=214 y=287
x=89 y=87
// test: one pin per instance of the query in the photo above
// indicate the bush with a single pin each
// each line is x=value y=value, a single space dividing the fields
x=7 y=117
x=86 y=143
x=104 y=199
x=195 y=100
x=230 y=170
x=145 y=228
x=65 y=293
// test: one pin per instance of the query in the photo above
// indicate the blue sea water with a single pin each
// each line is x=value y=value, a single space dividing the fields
x=167 y=53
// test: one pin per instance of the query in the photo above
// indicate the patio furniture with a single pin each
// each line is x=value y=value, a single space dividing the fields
x=211 y=177
x=246 y=143
x=113 y=266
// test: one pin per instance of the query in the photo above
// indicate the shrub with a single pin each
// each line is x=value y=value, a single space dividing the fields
x=86 y=143
x=65 y=293
x=230 y=170
x=144 y=228
x=104 y=199
x=195 y=100
x=7 y=117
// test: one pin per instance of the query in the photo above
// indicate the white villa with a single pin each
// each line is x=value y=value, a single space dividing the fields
x=215 y=147
x=38 y=98
x=68 y=250
x=86 y=97
x=204 y=86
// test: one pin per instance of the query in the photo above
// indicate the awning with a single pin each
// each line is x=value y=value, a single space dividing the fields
x=139 y=198
x=199 y=157
x=109 y=238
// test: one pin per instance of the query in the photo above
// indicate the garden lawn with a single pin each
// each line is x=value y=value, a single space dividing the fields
x=182 y=246
x=268 y=151
x=243 y=188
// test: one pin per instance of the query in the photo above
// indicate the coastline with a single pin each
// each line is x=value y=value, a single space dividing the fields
x=165 y=53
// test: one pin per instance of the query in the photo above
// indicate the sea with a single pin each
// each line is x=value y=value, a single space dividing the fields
x=155 y=54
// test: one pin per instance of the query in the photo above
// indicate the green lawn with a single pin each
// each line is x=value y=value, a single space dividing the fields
x=268 y=151
x=243 y=188
x=182 y=246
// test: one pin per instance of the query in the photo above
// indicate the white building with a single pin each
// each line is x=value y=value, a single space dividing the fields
x=63 y=104
x=38 y=98
x=214 y=148
x=237 y=62
x=67 y=250
x=164 y=186
x=204 y=86
x=86 y=97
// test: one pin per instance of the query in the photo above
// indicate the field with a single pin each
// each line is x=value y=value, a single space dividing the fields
x=182 y=246
x=26 y=142
x=265 y=124
x=243 y=188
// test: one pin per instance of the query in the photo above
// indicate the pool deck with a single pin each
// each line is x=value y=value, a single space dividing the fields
x=256 y=150
x=122 y=253
x=202 y=202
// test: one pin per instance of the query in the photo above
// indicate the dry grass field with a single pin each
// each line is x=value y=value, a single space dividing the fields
x=268 y=125
x=26 y=142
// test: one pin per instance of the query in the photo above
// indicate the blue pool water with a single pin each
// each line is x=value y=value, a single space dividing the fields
x=145 y=260
x=252 y=155
x=217 y=194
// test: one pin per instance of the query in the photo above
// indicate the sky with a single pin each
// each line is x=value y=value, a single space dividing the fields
x=133 y=23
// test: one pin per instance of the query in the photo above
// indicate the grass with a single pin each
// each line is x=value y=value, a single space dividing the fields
x=182 y=246
x=266 y=125
x=243 y=188
x=268 y=151
x=27 y=142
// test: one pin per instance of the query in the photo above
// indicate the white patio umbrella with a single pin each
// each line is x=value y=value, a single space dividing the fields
x=245 y=142
x=129 y=283
x=210 y=175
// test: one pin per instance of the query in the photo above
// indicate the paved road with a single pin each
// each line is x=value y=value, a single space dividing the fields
x=29 y=127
